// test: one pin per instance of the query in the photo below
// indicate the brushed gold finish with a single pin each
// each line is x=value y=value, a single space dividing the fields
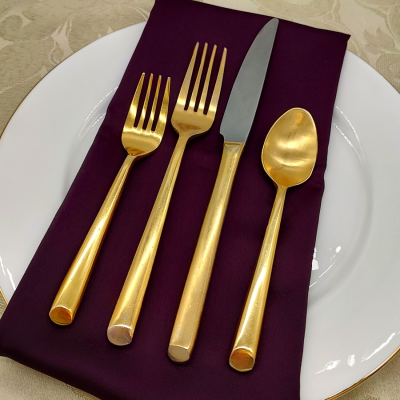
x=138 y=142
x=288 y=157
x=350 y=388
x=187 y=123
x=187 y=321
x=334 y=397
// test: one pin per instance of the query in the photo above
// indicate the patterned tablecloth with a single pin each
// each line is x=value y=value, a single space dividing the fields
x=36 y=35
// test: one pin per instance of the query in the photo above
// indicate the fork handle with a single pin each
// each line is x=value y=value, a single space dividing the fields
x=194 y=294
x=71 y=291
x=126 y=313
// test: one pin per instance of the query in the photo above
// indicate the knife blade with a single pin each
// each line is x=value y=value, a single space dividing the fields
x=235 y=127
x=246 y=91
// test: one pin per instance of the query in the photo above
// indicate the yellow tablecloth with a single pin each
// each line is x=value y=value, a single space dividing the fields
x=36 y=35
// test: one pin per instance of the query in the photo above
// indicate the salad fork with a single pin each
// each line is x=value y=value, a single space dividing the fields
x=187 y=123
x=138 y=142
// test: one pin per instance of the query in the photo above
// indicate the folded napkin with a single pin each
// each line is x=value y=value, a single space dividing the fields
x=303 y=72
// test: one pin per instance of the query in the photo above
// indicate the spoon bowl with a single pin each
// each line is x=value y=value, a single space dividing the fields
x=288 y=157
x=290 y=148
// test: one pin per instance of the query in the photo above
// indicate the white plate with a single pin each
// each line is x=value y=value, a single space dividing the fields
x=353 y=323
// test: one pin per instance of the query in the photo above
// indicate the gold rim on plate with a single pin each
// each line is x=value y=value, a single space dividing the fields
x=4 y=297
x=350 y=388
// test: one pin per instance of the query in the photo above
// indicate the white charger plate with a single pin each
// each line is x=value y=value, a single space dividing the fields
x=353 y=324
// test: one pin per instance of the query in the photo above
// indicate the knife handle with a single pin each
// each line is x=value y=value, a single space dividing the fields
x=72 y=288
x=194 y=294
x=244 y=351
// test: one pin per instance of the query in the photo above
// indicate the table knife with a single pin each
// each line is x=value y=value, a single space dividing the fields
x=235 y=127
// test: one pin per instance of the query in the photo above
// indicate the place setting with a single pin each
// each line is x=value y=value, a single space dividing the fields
x=209 y=229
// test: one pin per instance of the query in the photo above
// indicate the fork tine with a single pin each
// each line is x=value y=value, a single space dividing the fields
x=162 y=119
x=180 y=104
x=153 y=108
x=130 y=119
x=206 y=82
x=197 y=83
x=217 y=88
x=146 y=100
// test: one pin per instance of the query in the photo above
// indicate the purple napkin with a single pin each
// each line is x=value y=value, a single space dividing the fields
x=303 y=72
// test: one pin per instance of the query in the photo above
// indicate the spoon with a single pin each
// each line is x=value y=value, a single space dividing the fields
x=288 y=157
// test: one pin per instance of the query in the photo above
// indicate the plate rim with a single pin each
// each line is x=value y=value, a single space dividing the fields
x=362 y=380
x=2 y=294
x=335 y=396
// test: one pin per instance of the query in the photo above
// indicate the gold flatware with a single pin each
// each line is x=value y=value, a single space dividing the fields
x=288 y=157
x=235 y=127
x=188 y=124
x=138 y=142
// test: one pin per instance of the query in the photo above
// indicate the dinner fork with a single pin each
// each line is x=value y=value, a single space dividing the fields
x=138 y=142
x=187 y=123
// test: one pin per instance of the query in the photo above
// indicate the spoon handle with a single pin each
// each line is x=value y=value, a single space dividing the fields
x=244 y=350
